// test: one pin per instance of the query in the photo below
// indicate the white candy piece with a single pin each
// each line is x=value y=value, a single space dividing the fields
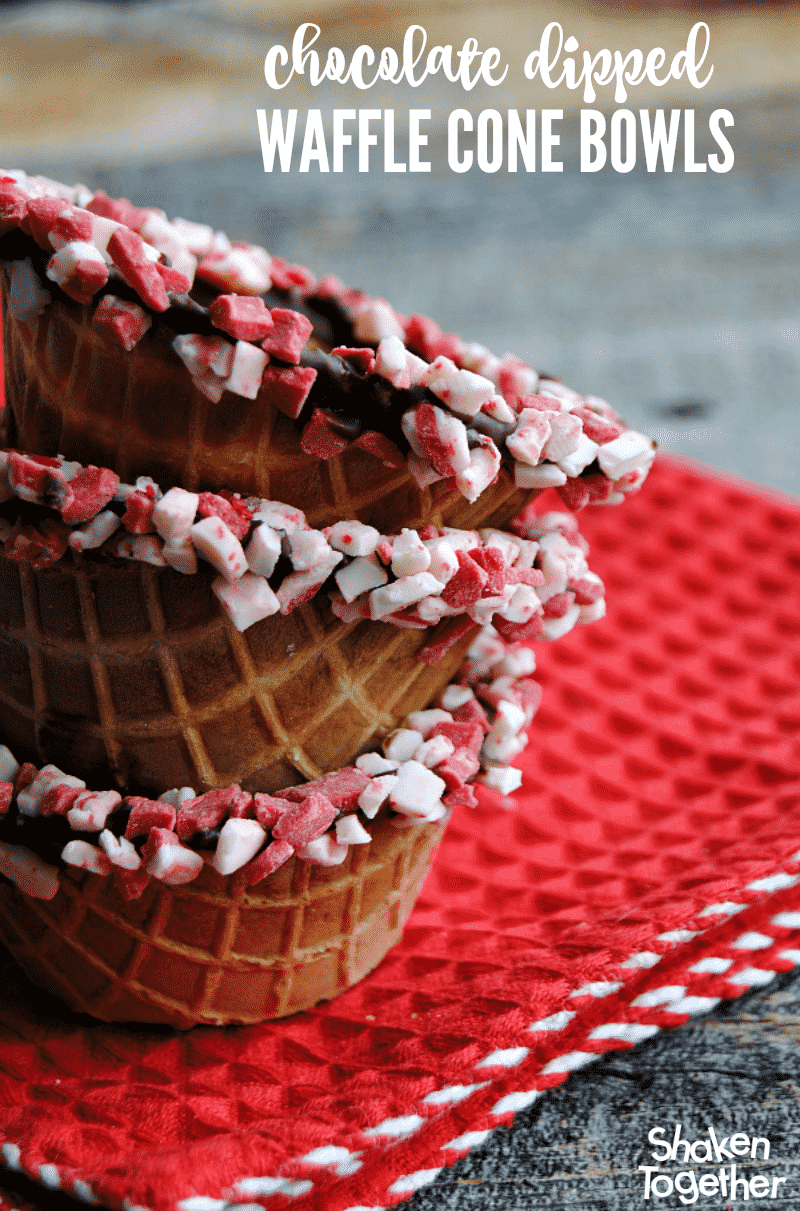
x=197 y=237
x=279 y=517
x=374 y=764
x=425 y=721
x=583 y=454
x=484 y=465
x=422 y=471
x=86 y=857
x=375 y=795
x=297 y=584
x=630 y=451
x=565 y=435
x=28 y=800
x=523 y=605
x=177 y=796
x=402 y=593
x=64 y=264
x=247 y=370
x=554 y=628
x=374 y=321
x=95 y=532
x=390 y=362
x=201 y=354
x=546 y=475
x=119 y=851
x=443 y=559
x=462 y=390
x=349 y=831
x=434 y=609
x=518 y=663
x=246 y=600
x=402 y=744
x=361 y=575
x=90 y=811
x=324 y=851
x=528 y=439
x=593 y=612
x=239 y=841
x=502 y=778
x=263 y=550
x=175 y=864
x=238 y=270
x=455 y=696
x=521 y=379
x=181 y=556
x=505 y=750
x=9 y=766
x=409 y=555
x=219 y=546
x=417 y=368
x=354 y=538
x=432 y=751
x=307 y=549
x=508 y=721
x=408 y=423
x=417 y=790
x=174 y=514
x=145 y=548
x=28 y=871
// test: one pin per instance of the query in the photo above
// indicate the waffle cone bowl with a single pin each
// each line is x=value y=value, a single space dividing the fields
x=217 y=952
x=254 y=538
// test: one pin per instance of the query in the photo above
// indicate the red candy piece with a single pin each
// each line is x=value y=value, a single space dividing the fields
x=587 y=592
x=37 y=479
x=6 y=794
x=557 y=606
x=269 y=809
x=305 y=821
x=428 y=532
x=284 y=275
x=443 y=638
x=91 y=490
x=13 y=206
x=289 y=332
x=471 y=712
x=25 y=776
x=127 y=251
x=458 y=768
x=244 y=317
x=41 y=216
x=138 y=515
x=234 y=513
x=39 y=547
x=85 y=279
x=462 y=735
x=531 y=576
x=173 y=279
x=423 y=336
x=575 y=494
x=463 y=796
x=288 y=387
x=58 y=800
x=519 y=632
x=342 y=787
x=320 y=438
x=599 y=487
x=495 y=567
x=147 y=814
x=118 y=209
x=439 y=452
x=122 y=322
x=72 y=224
x=268 y=861
x=364 y=359
x=466 y=586
x=380 y=445
x=596 y=427
x=210 y=809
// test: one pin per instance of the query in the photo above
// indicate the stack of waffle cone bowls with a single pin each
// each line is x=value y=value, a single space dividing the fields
x=263 y=621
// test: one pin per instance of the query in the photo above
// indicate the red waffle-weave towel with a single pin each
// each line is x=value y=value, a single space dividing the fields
x=657 y=828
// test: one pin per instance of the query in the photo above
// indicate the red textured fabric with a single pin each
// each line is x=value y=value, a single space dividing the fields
x=657 y=825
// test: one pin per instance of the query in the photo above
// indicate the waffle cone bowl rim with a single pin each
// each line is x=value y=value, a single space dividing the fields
x=410 y=853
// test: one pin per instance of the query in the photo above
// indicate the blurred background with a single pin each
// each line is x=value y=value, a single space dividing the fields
x=673 y=295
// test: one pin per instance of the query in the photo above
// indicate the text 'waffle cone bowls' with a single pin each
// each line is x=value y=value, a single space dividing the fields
x=263 y=623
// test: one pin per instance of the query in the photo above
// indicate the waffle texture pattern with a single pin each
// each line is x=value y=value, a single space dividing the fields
x=651 y=868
